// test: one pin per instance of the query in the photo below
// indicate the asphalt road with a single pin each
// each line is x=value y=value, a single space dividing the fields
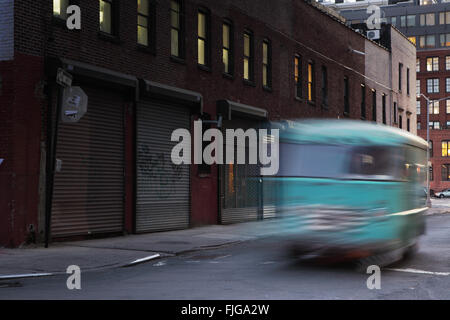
x=258 y=269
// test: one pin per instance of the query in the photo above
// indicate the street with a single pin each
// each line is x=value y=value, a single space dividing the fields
x=255 y=269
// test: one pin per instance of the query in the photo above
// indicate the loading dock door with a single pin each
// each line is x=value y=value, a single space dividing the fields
x=163 y=188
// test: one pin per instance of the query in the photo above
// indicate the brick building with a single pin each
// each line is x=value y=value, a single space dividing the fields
x=148 y=68
x=426 y=24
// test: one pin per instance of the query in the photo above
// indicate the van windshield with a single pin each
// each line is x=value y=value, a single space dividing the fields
x=340 y=161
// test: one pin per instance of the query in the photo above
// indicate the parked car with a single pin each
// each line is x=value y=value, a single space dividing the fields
x=443 y=193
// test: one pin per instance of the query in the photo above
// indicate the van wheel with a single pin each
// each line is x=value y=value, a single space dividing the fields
x=441 y=196
x=411 y=251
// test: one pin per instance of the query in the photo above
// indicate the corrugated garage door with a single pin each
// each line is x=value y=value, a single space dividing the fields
x=163 y=196
x=239 y=182
x=88 y=193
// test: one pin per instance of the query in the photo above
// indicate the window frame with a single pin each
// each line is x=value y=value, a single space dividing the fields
x=114 y=20
x=433 y=106
x=61 y=17
x=374 y=105
x=447 y=148
x=298 y=76
x=230 y=49
x=346 y=95
x=206 y=38
x=311 y=82
x=434 y=85
x=324 y=86
x=250 y=58
x=180 y=30
x=447 y=171
x=151 y=28
x=363 y=101
x=434 y=64
x=407 y=82
x=267 y=65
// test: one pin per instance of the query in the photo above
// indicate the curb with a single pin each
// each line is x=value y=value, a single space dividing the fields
x=142 y=260
x=133 y=263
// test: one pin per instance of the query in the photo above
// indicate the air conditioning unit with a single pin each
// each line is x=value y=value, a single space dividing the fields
x=373 y=34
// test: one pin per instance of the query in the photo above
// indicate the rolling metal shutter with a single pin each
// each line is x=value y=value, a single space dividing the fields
x=239 y=183
x=163 y=188
x=88 y=193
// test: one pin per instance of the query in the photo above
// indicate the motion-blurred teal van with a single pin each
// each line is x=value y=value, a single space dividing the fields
x=348 y=189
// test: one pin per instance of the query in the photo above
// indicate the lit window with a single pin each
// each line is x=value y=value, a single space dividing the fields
x=248 y=56
x=226 y=48
x=106 y=7
x=445 y=148
x=60 y=8
x=447 y=106
x=430 y=19
x=434 y=107
x=433 y=64
x=412 y=39
x=266 y=64
x=311 y=81
x=422 y=41
x=143 y=22
x=444 y=17
x=202 y=38
x=445 y=40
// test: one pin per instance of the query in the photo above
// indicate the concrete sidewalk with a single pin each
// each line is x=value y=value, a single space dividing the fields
x=129 y=250
x=121 y=251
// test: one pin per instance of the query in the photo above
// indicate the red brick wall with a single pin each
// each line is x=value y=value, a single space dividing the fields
x=294 y=27
x=20 y=132
x=435 y=135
